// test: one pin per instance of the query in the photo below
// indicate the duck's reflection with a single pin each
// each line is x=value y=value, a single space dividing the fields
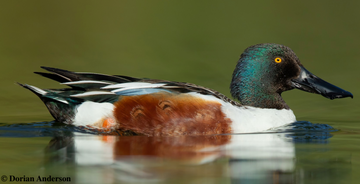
x=297 y=153
x=137 y=158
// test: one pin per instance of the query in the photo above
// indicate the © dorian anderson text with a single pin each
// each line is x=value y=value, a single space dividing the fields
x=49 y=178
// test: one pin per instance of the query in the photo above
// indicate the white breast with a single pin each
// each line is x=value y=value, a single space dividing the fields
x=248 y=119
x=251 y=119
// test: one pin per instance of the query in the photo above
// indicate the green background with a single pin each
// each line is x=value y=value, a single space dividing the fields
x=193 y=41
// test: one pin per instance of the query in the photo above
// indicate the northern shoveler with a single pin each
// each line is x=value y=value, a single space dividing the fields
x=166 y=108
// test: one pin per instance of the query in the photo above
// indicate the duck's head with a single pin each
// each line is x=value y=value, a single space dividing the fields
x=264 y=71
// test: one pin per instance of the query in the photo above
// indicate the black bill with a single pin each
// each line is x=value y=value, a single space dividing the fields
x=313 y=84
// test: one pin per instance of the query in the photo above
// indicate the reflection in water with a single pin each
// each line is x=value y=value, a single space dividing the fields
x=268 y=157
x=140 y=157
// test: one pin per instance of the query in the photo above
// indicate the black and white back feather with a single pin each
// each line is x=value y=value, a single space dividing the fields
x=108 y=88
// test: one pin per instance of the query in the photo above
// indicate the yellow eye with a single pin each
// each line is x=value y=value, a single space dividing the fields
x=278 y=60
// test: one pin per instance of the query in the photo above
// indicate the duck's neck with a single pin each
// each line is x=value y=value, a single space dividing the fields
x=253 y=87
x=252 y=96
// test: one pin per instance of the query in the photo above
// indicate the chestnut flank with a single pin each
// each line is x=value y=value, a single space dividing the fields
x=166 y=114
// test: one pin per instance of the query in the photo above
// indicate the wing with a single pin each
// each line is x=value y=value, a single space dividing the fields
x=107 y=88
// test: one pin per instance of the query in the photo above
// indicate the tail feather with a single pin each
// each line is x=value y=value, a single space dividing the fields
x=69 y=76
x=62 y=108
x=53 y=77
x=39 y=92
x=65 y=74
x=62 y=103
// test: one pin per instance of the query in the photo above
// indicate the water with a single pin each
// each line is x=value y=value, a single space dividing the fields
x=267 y=157
x=188 y=41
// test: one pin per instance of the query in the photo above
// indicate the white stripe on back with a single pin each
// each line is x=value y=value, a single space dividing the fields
x=133 y=85
x=86 y=82
x=93 y=93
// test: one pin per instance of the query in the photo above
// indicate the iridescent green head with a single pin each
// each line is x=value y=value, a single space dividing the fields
x=264 y=71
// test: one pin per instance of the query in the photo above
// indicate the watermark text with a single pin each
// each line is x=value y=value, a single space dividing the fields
x=24 y=178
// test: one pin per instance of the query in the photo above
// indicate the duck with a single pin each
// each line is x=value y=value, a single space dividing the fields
x=155 y=107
